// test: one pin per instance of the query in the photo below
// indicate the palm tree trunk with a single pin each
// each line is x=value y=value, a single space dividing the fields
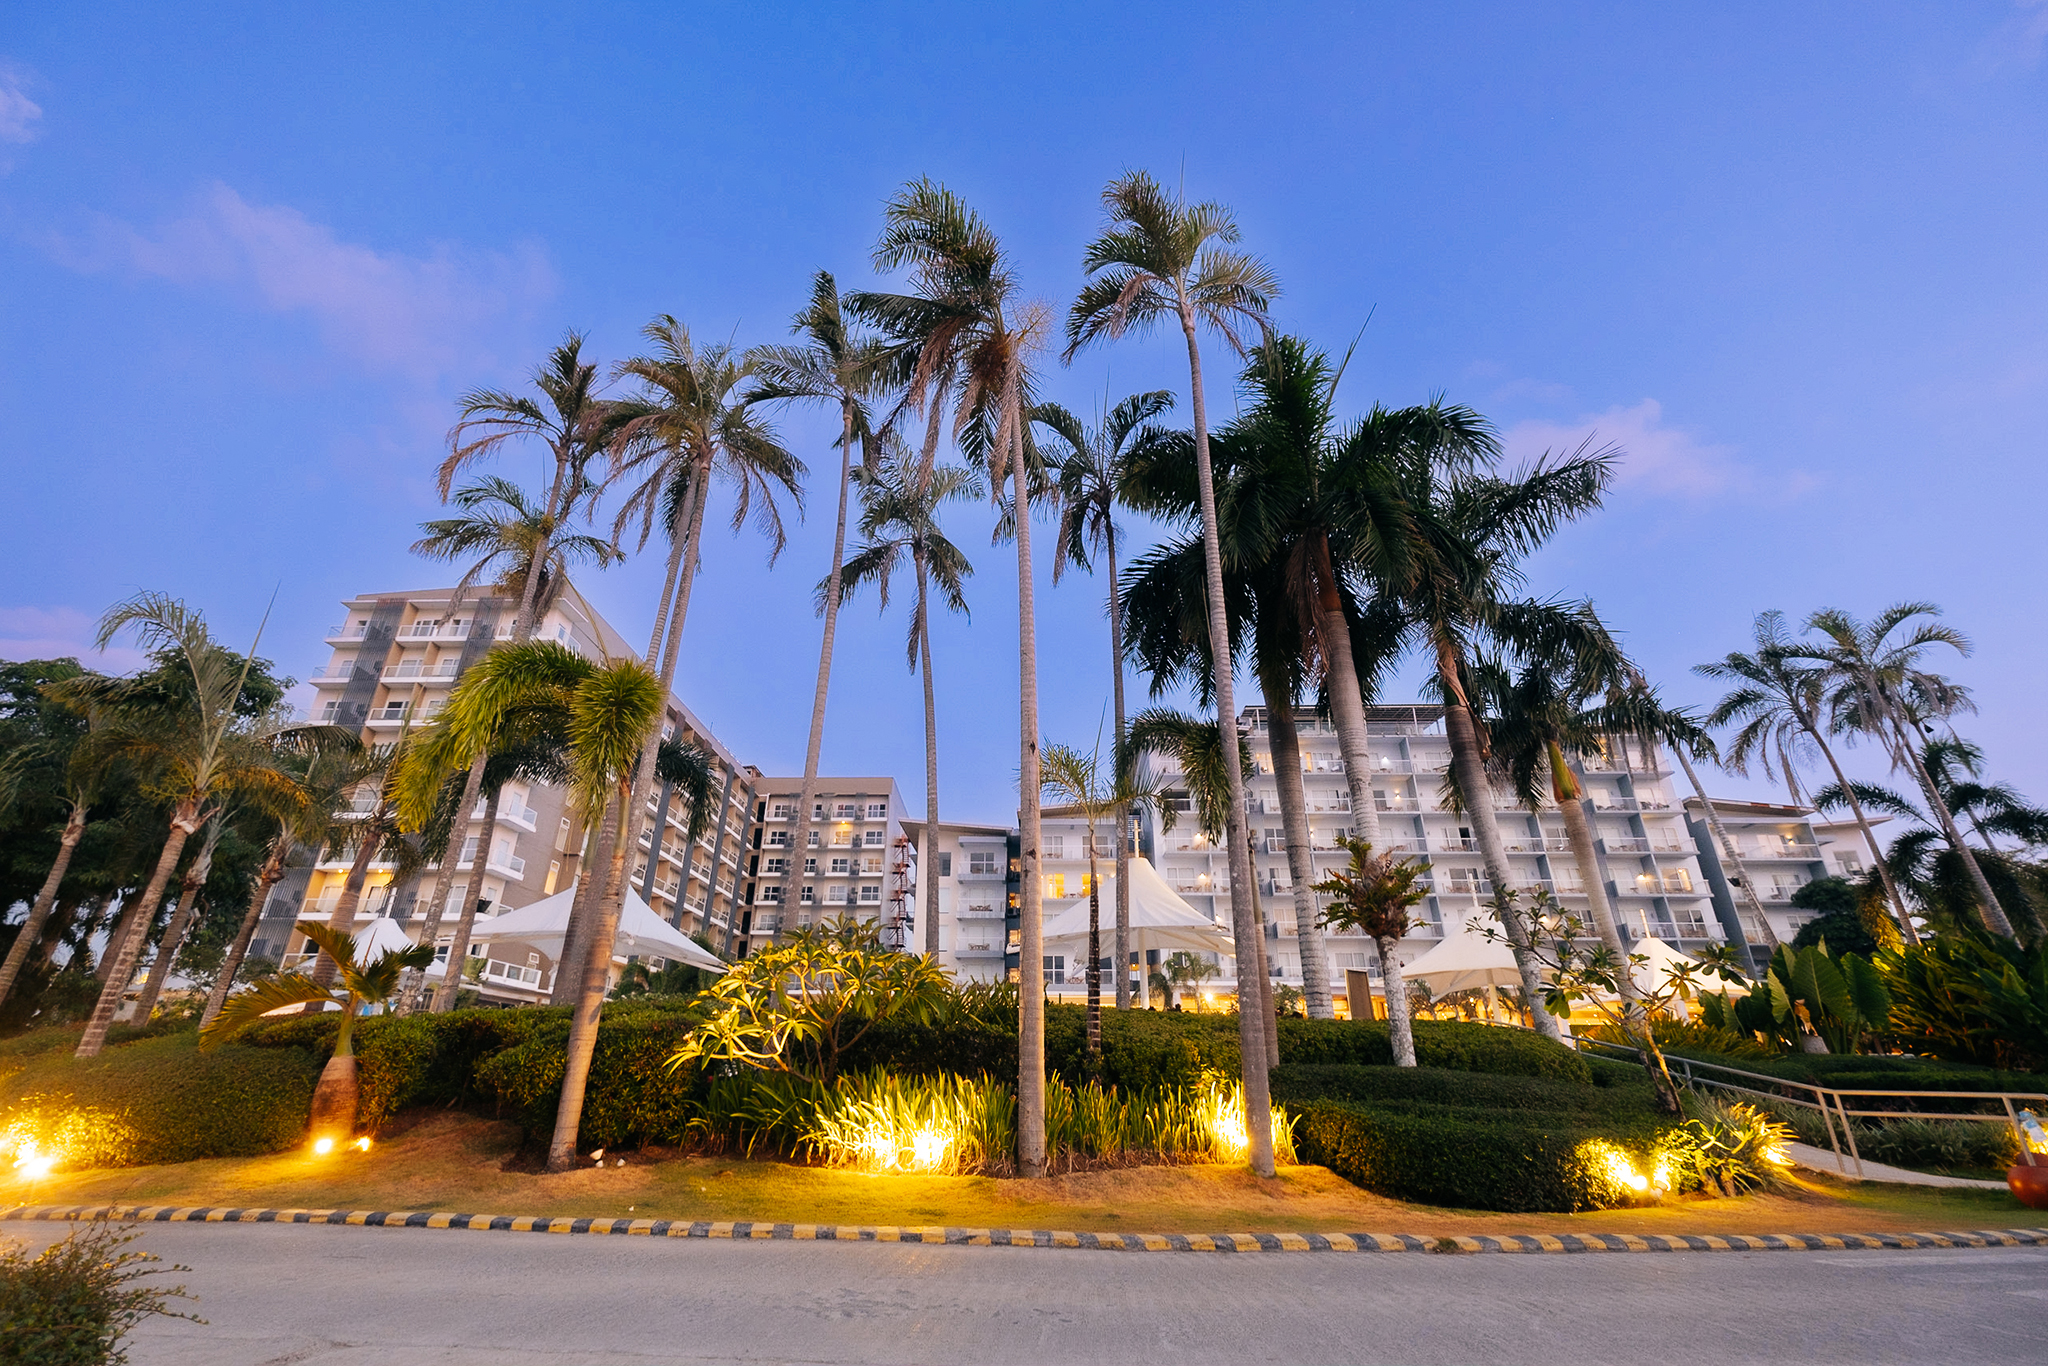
x=589 y=1006
x=1347 y=699
x=1269 y=1015
x=1733 y=854
x=1469 y=769
x=1571 y=804
x=181 y=923
x=266 y=878
x=1094 y=946
x=1031 y=901
x=131 y=907
x=1258 y=1102
x=928 y=876
x=437 y=909
x=344 y=917
x=529 y=595
x=1284 y=743
x=793 y=875
x=1877 y=858
x=597 y=853
x=1123 y=809
x=39 y=910
x=1993 y=914
x=472 y=902
x=1400 y=1020
x=121 y=955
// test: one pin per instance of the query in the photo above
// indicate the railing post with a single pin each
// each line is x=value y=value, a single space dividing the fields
x=1849 y=1128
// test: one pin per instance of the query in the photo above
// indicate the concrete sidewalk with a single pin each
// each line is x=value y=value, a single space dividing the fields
x=1823 y=1160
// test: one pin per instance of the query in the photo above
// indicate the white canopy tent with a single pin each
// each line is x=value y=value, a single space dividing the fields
x=379 y=936
x=1464 y=961
x=1159 y=918
x=642 y=933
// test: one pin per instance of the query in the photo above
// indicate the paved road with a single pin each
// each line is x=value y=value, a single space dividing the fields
x=355 y=1296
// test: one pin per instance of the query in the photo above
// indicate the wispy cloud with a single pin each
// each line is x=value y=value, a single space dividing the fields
x=58 y=632
x=1657 y=458
x=423 y=316
x=21 y=118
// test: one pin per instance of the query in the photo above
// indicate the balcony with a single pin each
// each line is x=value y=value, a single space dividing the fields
x=348 y=631
x=513 y=974
x=429 y=630
x=1397 y=803
x=510 y=864
x=1800 y=853
x=413 y=668
x=978 y=951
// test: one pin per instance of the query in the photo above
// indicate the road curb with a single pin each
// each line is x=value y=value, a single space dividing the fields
x=1565 y=1243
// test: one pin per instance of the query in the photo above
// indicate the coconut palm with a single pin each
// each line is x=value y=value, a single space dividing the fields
x=1182 y=972
x=606 y=711
x=1160 y=257
x=899 y=519
x=1474 y=528
x=570 y=419
x=182 y=915
x=1877 y=685
x=1098 y=793
x=1778 y=704
x=361 y=985
x=968 y=331
x=198 y=749
x=839 y=367
x=1090 y=488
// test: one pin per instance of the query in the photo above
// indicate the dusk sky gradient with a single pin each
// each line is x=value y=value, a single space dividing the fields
x=1789 y=256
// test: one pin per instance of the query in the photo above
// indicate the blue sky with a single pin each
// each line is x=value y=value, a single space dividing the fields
x=1788 y=256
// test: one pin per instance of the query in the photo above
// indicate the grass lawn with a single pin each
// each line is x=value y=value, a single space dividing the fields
x=459 y=1163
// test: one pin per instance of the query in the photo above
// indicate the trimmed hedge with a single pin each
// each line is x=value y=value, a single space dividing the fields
x=1876 y=1072
x=1296 y=1083
x=162 y=1100
x=1470 y=1158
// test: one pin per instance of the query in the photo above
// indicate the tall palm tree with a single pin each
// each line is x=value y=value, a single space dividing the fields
x=182 y=916
x=1777 y=705
x=899 y=518
x=1098 y=793
x=199 y=750
x=835 y=365
x=605 y=713
x=1876 y=682
x=1160 y=257
x=695 y=424
x=1090 y=487
x=963 y=322
x=1475 y=528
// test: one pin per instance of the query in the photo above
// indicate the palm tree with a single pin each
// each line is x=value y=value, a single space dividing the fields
x=1157 y=257
x=605 y=713
x=201 y=749
x=839 y=367
x=899 y=517
x=1777 y=704
x=182 y=916
x=1090 y=487
x=1078 y=780
x=1181 y=972
x=569 y=418
x=1372 y=896
x=1876 y=683
x=695 y=423
x=362 y=984
x=965 y=326
x=1474 y=528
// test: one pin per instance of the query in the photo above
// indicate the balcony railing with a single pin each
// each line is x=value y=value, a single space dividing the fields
x=1804 y=853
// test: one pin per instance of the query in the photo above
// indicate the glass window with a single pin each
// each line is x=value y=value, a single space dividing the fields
x=871 y=894
x=945 y=868
x=878 y=811
x=981 y=863
x=1055 y=886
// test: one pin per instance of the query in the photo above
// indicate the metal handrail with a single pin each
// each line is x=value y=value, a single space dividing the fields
x=1832 y=1102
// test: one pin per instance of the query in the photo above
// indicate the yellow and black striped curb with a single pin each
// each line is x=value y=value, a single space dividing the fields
x=1009 y=1237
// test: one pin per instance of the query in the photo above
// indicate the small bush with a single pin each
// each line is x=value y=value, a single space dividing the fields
x=1474 y=1159
x=171 y=1102
x=632 y=1097
x=71 y=1304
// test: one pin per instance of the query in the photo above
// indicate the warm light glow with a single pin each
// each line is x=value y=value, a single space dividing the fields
x=32 y=1162
x=1618 y=1169
x=363 y=1144
x=322 y=1146
x=1776 y=1155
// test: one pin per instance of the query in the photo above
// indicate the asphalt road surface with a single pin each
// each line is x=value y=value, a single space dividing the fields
x=347 y=1296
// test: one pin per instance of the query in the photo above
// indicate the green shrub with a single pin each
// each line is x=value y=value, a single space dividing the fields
x=1296 y=1083
x=632 y=1096
x=72 y=1303
x=1447 y=1044
x=172 y=1102
x=1473 y=1159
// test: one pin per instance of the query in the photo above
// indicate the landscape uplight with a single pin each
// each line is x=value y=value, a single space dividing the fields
x=322 y=1146
x=363 y=1144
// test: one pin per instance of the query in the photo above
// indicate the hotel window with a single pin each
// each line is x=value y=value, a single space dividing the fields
x=871 y=863
x=842 y=838
x=1055 y=846
x=945 y=865
x=877 y=838
x=981 y=863
x=841 y=867
x=878 y=811
x=554 y=872
x=845 y=811
x=835 y=896
x=778 y=839
x=807 y=898
x=1055 y=886
x=871 y=894
x=327 y=712
x=775 y=865
x=810 y=867
x=813 y=841
x=782 y=811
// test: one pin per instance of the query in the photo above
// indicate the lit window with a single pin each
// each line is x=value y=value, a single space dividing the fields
x=1055 y=885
